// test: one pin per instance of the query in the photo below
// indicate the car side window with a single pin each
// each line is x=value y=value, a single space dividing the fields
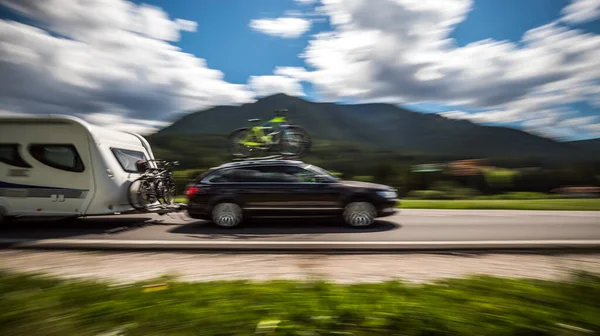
x=9 y=154
x=276 y=174
x=300 y=175
x=264 y=174
x=244 y=174
x=217 y=177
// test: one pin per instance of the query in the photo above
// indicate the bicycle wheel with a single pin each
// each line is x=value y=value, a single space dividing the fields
x=243 y=143
x=165 y=190
x=295 y=141
x=141 y=193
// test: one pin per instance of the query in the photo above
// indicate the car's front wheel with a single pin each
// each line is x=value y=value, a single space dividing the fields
x=360 y=214
x=227 y=215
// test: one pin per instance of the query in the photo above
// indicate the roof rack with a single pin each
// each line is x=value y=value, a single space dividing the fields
x=271 y=157
x=264 y=159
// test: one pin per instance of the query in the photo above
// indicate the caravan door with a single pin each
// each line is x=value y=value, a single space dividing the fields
x=65 y=184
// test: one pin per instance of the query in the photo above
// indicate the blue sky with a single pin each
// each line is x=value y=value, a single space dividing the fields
x=254 y=62
x=228 y=44
x=224 y=39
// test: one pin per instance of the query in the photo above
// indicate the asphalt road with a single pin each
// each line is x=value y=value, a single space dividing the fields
x=408 y=229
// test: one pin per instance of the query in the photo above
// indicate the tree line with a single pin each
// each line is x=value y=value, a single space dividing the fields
x=197 y=153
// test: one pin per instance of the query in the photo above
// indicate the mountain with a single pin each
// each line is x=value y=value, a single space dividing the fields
x=589 y=145
x=383 y=126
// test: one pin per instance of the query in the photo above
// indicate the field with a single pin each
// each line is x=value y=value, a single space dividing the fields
x=530 y=204
x=480 y=305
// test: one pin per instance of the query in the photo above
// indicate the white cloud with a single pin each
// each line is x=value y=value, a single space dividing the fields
x=455 y=115
x=186 y=25
x=545 y=119
x=401 y=52
x=86 y=20
x=580 y=121
x=555 y=133
x=118 y=122
x=115 y=58
x=285 y=27
x=594 y=129
x=294 y=72
x=268 y=85
x=154 y=22
x=486 y=117
x=581 y=11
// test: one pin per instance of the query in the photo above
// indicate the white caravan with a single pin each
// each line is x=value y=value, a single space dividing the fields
x=55 y=165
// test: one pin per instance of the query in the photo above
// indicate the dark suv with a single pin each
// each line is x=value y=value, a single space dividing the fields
x=284 y=189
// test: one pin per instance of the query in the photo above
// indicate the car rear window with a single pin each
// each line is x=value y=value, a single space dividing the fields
x=202 y=176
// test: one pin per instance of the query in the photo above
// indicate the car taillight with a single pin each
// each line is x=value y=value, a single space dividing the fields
x=191 y=191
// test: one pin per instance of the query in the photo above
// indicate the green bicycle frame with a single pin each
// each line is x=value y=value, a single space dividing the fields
x=257 y=133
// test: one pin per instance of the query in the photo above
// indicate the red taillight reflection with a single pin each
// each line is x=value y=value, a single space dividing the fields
x=191 y=191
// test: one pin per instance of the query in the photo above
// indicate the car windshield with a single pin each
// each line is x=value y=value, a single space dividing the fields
x=321 y=171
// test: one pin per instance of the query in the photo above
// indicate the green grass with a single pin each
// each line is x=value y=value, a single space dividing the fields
x=482 y=305
x=540 y=204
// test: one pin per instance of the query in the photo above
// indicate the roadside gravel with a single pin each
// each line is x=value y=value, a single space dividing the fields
x=340 y=268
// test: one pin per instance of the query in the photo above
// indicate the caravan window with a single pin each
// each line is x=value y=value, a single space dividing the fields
x=127 y=158
x=64 y=157
x=9 y=154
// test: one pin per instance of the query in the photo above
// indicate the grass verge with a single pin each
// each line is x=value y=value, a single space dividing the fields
x=540 y=204
x=482 y=305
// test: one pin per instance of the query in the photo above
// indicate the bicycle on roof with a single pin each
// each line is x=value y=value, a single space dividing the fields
x=276 y=136
x=155 y=187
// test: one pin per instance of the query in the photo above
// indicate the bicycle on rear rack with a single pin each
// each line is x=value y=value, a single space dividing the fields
x=155 y=188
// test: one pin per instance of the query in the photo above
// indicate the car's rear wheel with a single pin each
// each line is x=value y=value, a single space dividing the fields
x=360 y=214
x=227 y=215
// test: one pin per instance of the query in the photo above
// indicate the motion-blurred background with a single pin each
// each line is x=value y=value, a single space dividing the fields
x=397 y=92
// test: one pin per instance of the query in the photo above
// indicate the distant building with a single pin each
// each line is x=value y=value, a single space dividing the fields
x=428 y=167
x=578 y=191
x=467 y=167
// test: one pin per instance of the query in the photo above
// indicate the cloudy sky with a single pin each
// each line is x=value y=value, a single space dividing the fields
x=533 y=64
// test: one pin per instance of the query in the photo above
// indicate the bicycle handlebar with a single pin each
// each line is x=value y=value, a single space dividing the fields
x=172 y=163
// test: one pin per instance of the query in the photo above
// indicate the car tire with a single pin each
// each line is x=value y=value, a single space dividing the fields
x=359 y=214
x=227 y=215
